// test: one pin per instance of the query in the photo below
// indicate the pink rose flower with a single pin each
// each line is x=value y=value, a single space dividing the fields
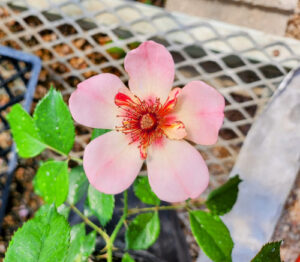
x=149 y=121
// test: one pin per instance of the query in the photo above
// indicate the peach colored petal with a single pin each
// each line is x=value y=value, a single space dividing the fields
x=151 y=71
x=201 y=108
x=110 y=163
x=176 y=170
x=176 y=130
x=92 y=103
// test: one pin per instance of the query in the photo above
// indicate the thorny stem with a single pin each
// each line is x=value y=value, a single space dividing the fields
x=108 y=239
x=90 y=223
x=126 y=212
x=76 y=159
x=156 y=208
x=188 y=205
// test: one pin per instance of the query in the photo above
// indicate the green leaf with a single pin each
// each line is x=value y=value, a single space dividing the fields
x=86 y=209
x=143 y=231
x=77 y=238
x=99 y=132
x=24 y=132
x=52 y=182
x=221 y=200
x=64 y=210
x=78 y=184
x=53 y=119
x=81 y=246
x=134 y=45
x=127 y=258
x=88 y=246
x=144 y=192
x=116 y=52
x=211 y=235
x=45 y=238
x=43 y=210
x=270 y=252
x=102 y=205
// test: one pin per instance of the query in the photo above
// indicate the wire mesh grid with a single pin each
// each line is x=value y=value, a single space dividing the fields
x=78 y=39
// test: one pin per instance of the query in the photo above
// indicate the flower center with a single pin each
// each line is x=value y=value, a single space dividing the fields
x=148 y=121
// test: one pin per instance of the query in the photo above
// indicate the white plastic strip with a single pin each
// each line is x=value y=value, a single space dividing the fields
x=268 y=164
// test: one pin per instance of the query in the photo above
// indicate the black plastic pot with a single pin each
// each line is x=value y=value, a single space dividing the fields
x=171 y=245
x=19 y=73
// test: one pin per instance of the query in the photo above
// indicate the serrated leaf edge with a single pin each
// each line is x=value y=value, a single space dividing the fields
x=203 y=228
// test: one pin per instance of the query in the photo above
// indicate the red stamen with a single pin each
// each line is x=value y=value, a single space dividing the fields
x=143 y=120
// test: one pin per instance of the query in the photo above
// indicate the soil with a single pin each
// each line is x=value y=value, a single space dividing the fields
x=22 y=203
x=288 y=227
x=293 y=26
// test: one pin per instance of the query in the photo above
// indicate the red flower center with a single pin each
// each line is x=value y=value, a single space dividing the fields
x=146 y=121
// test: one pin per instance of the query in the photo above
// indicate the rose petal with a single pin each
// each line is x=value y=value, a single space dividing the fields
x=171 y=101
x=110 y=163
x=201 y=108
x=175 y=130
x=151 y=71
x=125 y=98
x=176 y=170
x=92 y=103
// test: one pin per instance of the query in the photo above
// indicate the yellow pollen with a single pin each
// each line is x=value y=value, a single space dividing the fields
x=147 y=121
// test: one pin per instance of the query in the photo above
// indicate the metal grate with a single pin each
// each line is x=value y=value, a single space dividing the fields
x=78 y=39
x=18 y=76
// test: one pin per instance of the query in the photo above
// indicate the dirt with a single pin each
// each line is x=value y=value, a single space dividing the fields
x=293 y=26
x=288 y=227
x=22 y=202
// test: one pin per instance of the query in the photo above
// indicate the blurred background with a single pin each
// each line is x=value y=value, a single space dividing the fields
x=281 y=17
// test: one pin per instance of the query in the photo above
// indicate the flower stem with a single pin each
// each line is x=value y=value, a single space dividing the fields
x=122 y=219
x=114 y=234
x=109 y=253
x=76 y=159
x=56 y=150
x=156 y=208
x=90 y=223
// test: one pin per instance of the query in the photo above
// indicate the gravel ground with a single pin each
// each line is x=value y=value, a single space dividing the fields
x=288 y=227
x=293 y=26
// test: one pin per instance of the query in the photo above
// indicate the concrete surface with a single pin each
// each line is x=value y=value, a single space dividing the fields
x=288 y=5
x=240 y=12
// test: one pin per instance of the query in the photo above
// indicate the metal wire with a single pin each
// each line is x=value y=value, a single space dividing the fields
x=77 y=39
